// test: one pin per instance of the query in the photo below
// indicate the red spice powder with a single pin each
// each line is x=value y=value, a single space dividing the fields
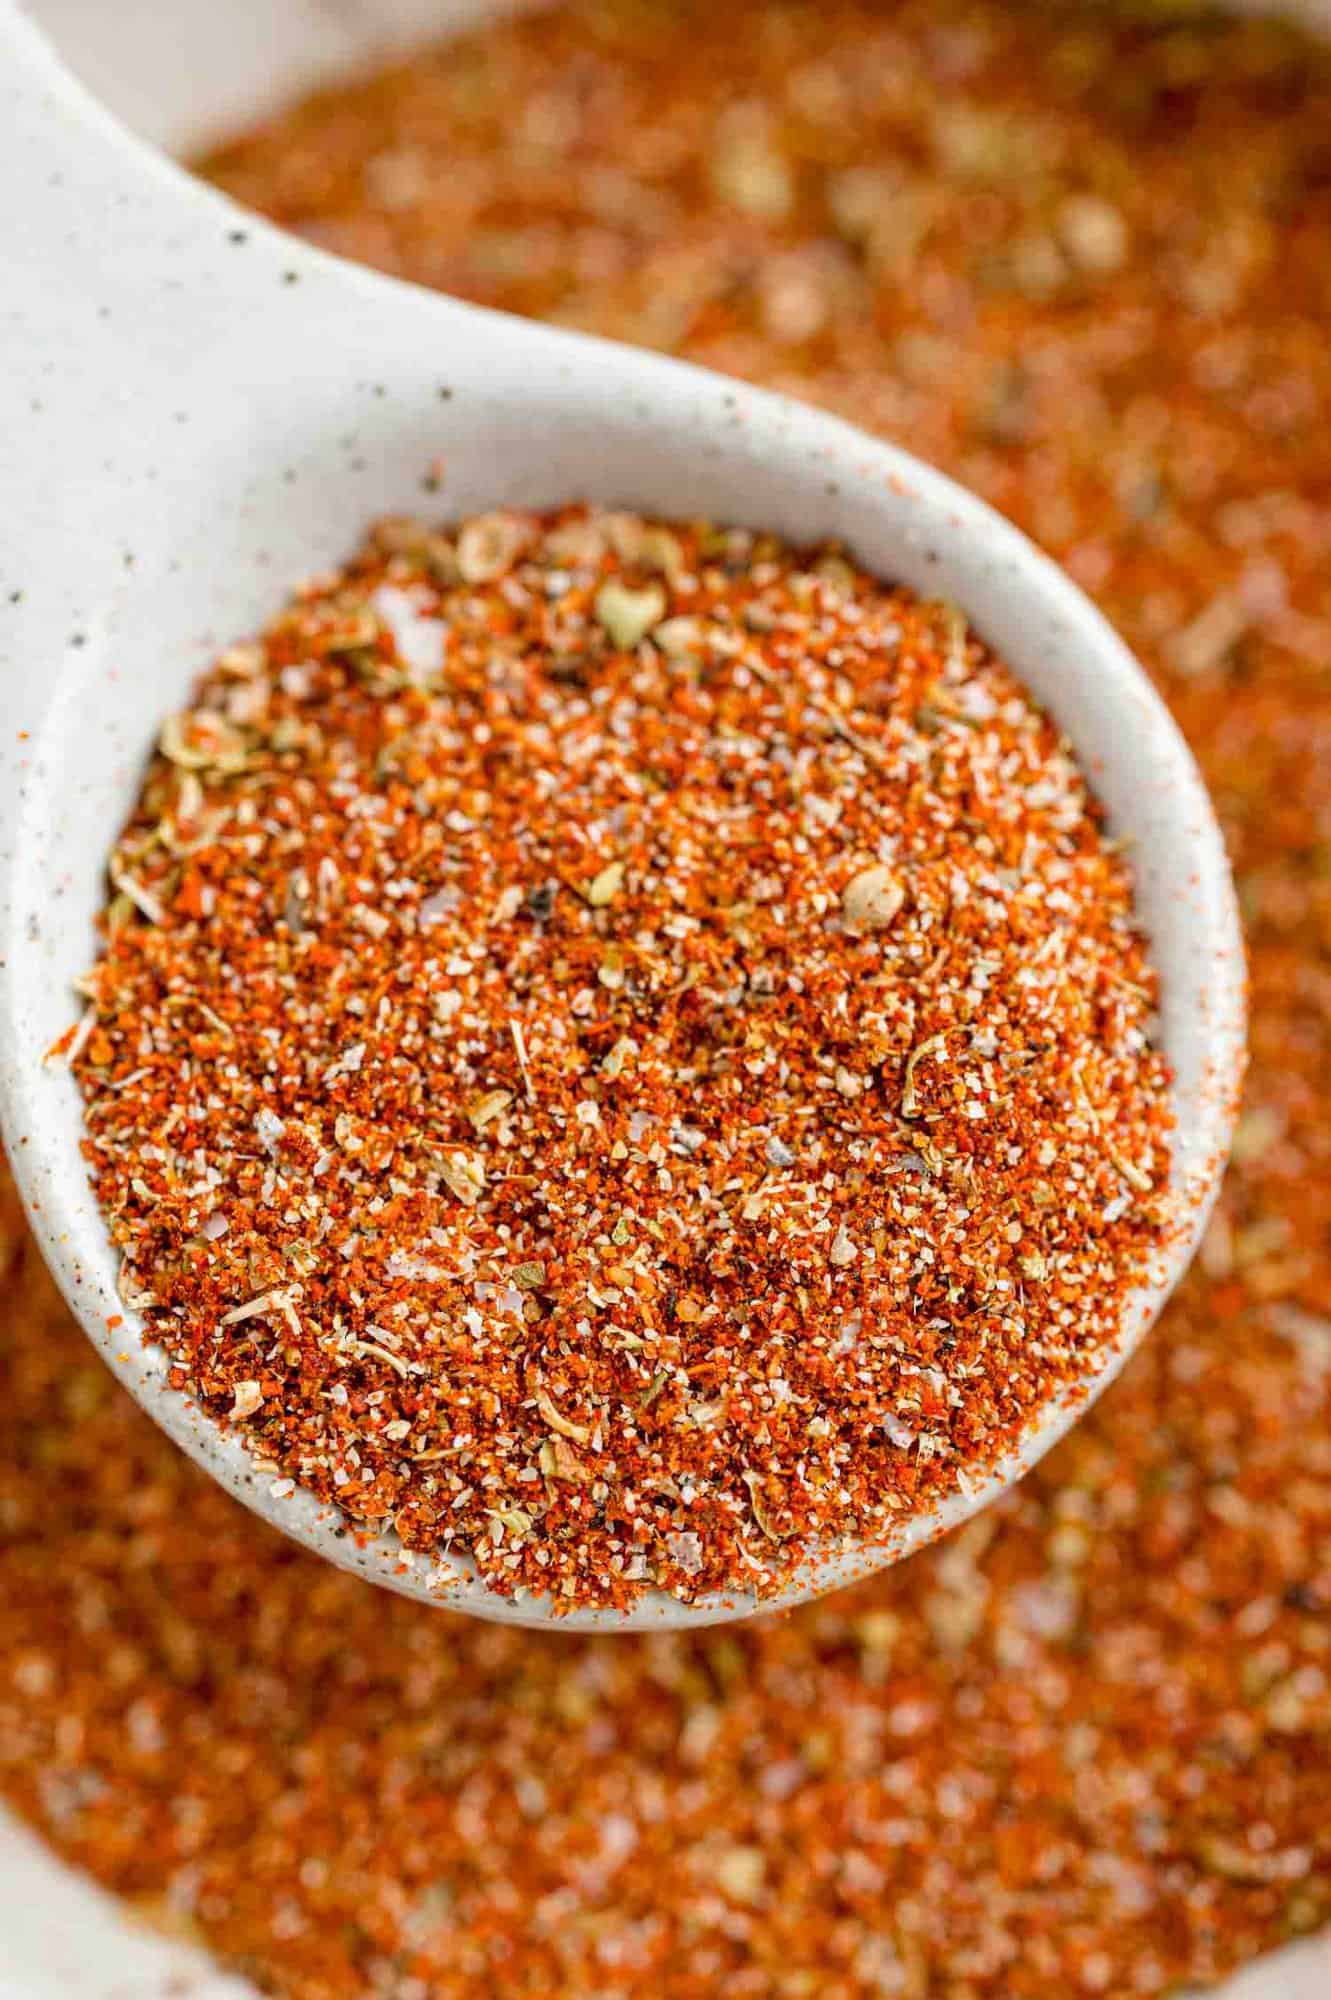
x=1082 y=1747
x=622 y=1049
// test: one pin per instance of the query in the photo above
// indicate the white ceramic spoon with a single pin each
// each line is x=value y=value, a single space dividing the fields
x=196 y=410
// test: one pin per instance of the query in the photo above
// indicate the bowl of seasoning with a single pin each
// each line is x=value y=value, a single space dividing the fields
x=664 y=1026
x=1042 y=1689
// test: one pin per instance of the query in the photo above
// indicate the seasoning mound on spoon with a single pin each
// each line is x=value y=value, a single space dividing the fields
x=622 y=1048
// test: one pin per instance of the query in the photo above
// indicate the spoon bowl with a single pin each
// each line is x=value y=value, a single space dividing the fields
x=197 y=411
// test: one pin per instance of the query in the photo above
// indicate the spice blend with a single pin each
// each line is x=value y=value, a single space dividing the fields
x=1083 y=1746
x=621 y=1048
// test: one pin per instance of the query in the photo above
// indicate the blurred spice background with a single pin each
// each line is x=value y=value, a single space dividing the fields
x=1080 y=257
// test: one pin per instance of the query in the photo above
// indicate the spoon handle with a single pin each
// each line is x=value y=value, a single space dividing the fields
x=112 y=249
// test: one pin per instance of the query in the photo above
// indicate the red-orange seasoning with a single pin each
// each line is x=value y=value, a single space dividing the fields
x=622 y=1048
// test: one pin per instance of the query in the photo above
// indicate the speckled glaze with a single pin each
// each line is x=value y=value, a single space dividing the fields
x=196 y=410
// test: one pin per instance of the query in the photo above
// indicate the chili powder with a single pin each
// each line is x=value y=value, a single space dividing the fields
x=621 y=1048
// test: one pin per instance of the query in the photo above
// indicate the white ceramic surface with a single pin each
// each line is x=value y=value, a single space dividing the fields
x=180 y=73
x=211 y=409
